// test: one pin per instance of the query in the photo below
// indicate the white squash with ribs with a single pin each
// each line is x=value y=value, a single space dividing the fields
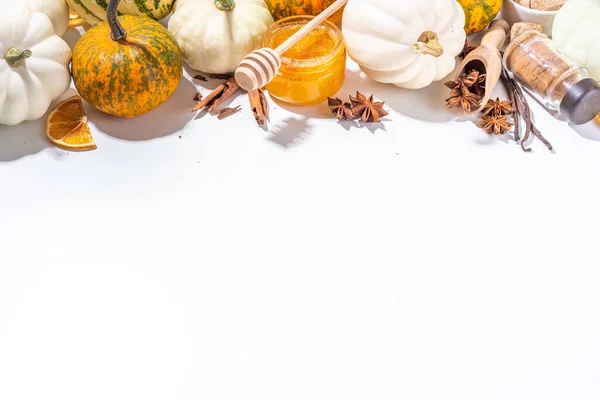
x=215 y=35
x=56 y=10
x=409 y=43
x=34 y=65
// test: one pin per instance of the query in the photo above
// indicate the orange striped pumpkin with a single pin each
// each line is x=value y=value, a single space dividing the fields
x=126 y=66
x=287 y=8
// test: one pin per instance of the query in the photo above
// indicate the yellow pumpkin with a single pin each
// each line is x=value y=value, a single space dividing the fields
x=287 y=8
x=479 y=13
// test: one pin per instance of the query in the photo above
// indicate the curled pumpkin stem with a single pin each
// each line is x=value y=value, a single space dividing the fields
x=117 y=32
x=428 y=43
x=16 y=57
x=225 y=5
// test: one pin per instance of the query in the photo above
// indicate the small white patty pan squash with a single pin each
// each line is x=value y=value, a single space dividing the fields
x=94 y=11
x=215 y=35
x=409 y=43
x=34 y=65
x=56 y=10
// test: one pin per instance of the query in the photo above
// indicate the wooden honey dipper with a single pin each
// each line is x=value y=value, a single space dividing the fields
x=261 y=66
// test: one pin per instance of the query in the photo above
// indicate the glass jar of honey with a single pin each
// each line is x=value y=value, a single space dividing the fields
x=314 y=68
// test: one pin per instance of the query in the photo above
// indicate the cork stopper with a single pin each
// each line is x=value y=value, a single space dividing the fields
x=581 y=103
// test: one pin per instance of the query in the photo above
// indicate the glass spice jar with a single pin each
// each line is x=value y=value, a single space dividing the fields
x=559 y=82
x=314 y=68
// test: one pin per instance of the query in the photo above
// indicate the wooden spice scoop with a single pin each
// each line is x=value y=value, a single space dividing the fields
x=487 y=59
x=261 y=66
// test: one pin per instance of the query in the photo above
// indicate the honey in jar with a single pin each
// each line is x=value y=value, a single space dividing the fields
x=314 y=68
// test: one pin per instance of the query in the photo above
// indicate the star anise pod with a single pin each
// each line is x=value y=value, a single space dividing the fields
x=466 y=49
x=367 y=109
x=457 y=88
x=466 y=92
x=497 y=125
x=464 y=104
x=498 y=108
x=341 y=109
x=471 y=78
x=475 y=82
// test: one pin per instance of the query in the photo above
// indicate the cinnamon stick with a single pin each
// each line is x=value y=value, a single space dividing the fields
x=231 y=87
x=259 y=106
x=226 y=112
x=218 y=96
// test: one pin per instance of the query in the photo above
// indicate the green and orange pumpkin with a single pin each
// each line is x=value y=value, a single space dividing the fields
x=126 y=66
x=479 y=13
x=287 y=8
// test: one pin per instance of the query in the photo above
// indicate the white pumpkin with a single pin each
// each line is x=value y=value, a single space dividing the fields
x=576 y=32
x=215 y=35
x=56 y=10
x=34 y=65
x=409 y=43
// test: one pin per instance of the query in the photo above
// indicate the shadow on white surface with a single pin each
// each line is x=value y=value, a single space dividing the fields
x=208 y=85
x=370 y=126
x=589 y=131
x=22 y=140
x=167 y=119
x=28 y=137
x=290 y=132
x=425 y=104
x=320 y=111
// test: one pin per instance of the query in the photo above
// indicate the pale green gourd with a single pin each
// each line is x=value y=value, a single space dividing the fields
x=576 y=32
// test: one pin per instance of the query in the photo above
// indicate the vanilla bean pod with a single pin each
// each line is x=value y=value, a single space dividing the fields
x=525 y=113
x=531 y=127
x=522 y=110
x=511 y=93
x=539 y=135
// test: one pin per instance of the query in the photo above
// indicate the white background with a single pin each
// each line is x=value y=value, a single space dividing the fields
x=202 y=259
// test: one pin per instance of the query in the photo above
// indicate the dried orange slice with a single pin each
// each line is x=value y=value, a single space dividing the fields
x=75 y=20
x=67 y=126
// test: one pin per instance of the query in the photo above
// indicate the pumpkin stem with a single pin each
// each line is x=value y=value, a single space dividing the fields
x=428 y=43
x=16 y=57
x=117 y=32
x=225 y=5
